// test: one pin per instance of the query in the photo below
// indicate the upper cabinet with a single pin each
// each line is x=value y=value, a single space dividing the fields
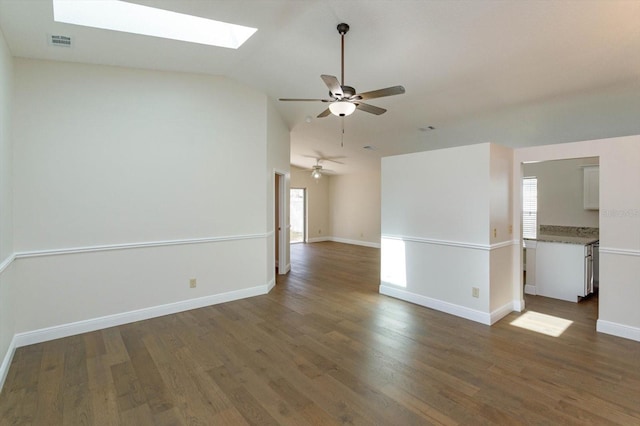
x=591 y=188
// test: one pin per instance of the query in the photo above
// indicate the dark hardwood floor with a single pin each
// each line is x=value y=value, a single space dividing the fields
x=325 y=348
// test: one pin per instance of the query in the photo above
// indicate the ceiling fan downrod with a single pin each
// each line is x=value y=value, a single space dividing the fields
x=342 y=29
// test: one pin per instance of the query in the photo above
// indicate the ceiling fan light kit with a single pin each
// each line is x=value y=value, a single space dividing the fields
x=344 y=100
x=342 y=108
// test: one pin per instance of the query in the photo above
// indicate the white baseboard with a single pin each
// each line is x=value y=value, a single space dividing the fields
x=439 y=305
x=85 y=326
x=344 y=241
x=518 y=305
x=530 y=289
x=285 y=269
x=6 y=362
x=318 y=239
x=620 y=330
x=271 y=285
x=501 y=312
x=355 y=242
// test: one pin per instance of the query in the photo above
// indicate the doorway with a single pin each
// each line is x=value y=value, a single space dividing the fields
x=280 y=245
x=560 y=225
x=298 y=218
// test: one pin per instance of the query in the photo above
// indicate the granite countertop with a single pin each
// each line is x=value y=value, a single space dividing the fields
x=565 y=239
x=567 y=234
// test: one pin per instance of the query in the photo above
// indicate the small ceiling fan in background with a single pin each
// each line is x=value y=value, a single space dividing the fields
x=344 y=100
x=318 y=170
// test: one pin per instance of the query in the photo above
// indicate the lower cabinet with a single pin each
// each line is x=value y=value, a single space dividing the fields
x=560 y=270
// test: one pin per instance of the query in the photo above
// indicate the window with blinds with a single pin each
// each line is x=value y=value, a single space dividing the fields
x=529 y=207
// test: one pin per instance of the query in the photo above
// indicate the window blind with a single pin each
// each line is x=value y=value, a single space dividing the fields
x=529 y=207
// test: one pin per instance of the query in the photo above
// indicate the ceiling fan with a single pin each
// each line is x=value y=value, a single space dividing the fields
x=318 y=170
x=344 y=100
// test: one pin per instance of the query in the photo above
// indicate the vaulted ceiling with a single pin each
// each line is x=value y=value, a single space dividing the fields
x=512 y=72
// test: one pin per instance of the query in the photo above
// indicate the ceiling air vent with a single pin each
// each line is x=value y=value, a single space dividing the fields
x=59 y=40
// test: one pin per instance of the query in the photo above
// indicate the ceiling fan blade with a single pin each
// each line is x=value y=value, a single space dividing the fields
x=333 y=84
x=322 y=158
x=324 y=113
x=304 y=100
x=370 y=108
x=389 y=91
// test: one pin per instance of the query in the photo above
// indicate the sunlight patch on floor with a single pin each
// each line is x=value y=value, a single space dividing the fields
x=542 y=323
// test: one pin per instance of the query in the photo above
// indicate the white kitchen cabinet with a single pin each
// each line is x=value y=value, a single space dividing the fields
x=591 y=188
x=560 y=270
x=530 y=267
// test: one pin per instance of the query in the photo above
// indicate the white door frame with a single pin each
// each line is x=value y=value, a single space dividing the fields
x=282 y=229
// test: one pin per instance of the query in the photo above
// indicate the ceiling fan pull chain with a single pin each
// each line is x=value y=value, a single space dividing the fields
x=342 y=135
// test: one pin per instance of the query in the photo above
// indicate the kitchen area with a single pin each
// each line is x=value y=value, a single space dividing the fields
x=561 y=228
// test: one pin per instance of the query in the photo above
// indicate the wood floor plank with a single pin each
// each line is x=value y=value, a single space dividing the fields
x=325 y=348
x=152 y=385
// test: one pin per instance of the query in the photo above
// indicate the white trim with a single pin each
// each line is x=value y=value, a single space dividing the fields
x=439 y=305
x=518 y=305
x=355 y=242
x=6 y=362
x=624 y=252
x=450 y=243
x=509 y=243
x=271 y=285
x=287 y=268
x=619 y=330
x=530 y=289
x=127 y=246
x=85 y=326
x=318 y=239
x=501 y=312
x=5 y=263
x=344 y=241
x=283 y=214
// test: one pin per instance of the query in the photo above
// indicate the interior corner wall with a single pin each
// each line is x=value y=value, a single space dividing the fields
x=318 y=220
x=436 y=229
x=127 y=184
x=619 y=224
x=7 y=298
x=278 y=155
x=355 y=207
x=504 y=247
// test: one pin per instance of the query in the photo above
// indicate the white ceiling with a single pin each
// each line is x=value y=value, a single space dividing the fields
x=513 y=72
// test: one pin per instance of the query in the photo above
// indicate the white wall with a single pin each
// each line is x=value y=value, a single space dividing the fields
x=440 y=195
x=318 y=219
x=6 y=154
x=7 y=299
x=355 y=207
x=502 y=255
x=619 y=224
x=439 y=211
x=128 y=183
x=560 y=192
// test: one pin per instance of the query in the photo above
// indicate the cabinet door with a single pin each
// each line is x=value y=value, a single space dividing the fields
x=591 y=188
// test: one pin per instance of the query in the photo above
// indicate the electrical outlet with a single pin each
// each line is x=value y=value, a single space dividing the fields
x=319 y=231
x=475 y=292
x=495 y=232
x=193 y=283
x=510 y=229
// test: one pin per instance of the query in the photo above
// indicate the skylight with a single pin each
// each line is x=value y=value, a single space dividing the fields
x=137 y=19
